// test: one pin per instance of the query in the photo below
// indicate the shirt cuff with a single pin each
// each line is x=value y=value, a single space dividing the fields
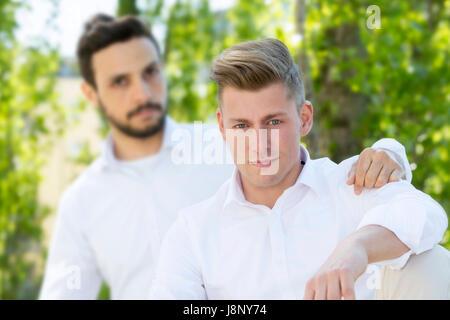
x=397 y=152
x=405 y=220
x=396 y=263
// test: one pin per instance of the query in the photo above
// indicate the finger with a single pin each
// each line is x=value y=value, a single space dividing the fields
x=347 y=285
x=320 y=290
x=351 y=174
x=395 y=176
x=383 y=177
x=363 y=164
x=333 y=286
x=372 y=174
x=309 y=291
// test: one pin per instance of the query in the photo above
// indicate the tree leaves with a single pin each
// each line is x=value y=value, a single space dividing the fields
x=28 y=105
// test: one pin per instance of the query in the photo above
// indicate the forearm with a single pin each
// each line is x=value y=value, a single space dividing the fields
x=370 y=244
x=379 y=243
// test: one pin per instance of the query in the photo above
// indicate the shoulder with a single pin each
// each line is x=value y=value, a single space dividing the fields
x=335 y=173
x=328 y=170
x=205 y=212
x=330 y=178
x=85 y=186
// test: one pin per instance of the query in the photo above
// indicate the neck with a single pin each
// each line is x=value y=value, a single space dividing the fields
x=127 y=148
x=268 y=196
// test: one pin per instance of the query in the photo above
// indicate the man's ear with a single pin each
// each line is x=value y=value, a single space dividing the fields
x=90 y=93
x=306 y=116
x=219 y=116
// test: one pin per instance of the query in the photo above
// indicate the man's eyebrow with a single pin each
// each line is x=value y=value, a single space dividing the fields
x=240 y=120
x=267 y=117
x=273 y=115
x=117 y=76
x=152 y=64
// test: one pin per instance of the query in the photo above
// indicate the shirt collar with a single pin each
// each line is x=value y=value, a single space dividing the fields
x=109 y=159
x=235 y=193
x=308 y=177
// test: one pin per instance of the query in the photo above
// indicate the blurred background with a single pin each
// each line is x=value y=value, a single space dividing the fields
x=367 y=79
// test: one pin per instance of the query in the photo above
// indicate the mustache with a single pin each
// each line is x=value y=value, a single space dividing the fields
x=146 y=106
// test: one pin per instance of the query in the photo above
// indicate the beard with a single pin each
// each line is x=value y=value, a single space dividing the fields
x=129 y=130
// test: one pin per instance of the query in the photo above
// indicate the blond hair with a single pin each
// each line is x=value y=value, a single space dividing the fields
x=253 y=65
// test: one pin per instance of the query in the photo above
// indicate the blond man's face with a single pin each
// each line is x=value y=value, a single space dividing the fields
x=271 y=124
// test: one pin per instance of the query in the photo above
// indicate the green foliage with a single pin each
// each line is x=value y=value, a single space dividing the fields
x=194 y=35
x=365 y=85
x=397 y=79
x=27 y=105
x=126 y=7
x=104 y=292
x=187 y=66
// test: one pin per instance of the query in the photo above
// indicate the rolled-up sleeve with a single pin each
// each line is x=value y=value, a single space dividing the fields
x=396 y=151
x=413 y=216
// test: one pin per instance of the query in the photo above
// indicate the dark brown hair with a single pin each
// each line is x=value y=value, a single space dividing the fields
x=103 y=30
x=253 y=65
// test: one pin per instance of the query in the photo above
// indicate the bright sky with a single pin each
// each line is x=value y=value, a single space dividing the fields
x=71 y=16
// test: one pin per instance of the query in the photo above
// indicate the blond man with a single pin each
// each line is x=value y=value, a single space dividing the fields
x=284 y=226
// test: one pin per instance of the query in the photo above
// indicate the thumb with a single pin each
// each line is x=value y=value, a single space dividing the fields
x=351 y=174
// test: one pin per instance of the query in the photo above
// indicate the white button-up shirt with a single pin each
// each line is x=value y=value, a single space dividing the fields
x=228 y=248
x=112 y=219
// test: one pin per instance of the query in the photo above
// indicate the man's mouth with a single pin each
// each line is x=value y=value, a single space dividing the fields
x=146 y=112
x=262 y=163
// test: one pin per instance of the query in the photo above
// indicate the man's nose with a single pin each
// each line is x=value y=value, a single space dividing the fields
x=261 y=143
x=142 y=92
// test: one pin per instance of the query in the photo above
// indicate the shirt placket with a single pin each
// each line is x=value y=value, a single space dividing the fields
x=154 y=232
x=279 y=261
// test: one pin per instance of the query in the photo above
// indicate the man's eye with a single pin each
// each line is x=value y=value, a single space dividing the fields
x=240 y=126
x=120 y=82
x=275 y=122
x=152 y=71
